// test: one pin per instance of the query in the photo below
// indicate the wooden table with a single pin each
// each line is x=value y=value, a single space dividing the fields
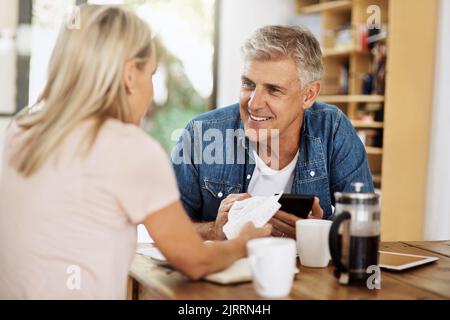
x=149 y=281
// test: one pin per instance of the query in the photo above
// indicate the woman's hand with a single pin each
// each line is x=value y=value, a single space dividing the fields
x=249 y=231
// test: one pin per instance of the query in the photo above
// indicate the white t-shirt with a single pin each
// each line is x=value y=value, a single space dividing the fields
x=69 y=230
x=267 y=181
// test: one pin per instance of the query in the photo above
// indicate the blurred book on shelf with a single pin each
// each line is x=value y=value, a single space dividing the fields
x=361 y=37
x=376 y=35
x=379 y=68
x=370 y=112
x=356 y=38
x=371 y=137
x=343 y=77
x=343 y=38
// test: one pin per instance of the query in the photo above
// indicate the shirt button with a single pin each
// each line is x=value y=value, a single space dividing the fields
x=312 y=173
x=249 y=177
x=220 y=194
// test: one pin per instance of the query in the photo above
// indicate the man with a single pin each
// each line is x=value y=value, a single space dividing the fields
x=282 y=139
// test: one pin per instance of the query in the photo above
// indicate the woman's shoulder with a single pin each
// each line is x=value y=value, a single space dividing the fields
x=130 y=152
x=129 y=134
x=128 y=139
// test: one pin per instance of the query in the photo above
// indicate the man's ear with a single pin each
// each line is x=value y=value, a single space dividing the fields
x=129 y=76
x=311 y=93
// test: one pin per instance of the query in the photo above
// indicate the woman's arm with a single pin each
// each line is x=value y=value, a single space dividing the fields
x=176 y=238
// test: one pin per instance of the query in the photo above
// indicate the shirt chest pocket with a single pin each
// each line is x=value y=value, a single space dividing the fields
x=312 y=172
x=219 y=190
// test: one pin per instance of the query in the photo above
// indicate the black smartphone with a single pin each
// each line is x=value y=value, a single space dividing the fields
x=297 y=204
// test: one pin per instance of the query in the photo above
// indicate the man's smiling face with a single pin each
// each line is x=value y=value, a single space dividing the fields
x=271 y=98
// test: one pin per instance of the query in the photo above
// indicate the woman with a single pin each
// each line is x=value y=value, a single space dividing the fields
x=79 y=174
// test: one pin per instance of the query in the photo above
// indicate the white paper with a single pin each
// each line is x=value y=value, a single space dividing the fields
x=258 y=210
x=142 y=235
x=239 y=271
x=153 y=253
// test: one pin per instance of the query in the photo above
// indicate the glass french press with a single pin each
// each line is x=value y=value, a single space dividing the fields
x=355 y=235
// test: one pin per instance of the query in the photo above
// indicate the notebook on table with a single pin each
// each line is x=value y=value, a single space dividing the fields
x=238 y=272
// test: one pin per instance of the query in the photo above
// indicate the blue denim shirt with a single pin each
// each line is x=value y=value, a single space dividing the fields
x=331 y=158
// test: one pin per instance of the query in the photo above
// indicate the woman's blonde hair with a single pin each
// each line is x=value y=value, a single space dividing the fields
x=85 y=81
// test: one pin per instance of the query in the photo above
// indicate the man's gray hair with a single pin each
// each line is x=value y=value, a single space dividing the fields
x=275 y=42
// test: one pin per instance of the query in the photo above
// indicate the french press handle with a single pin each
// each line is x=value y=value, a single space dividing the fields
x=335 y=244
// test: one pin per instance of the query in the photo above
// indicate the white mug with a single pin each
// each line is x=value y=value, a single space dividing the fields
x=272 y=262
x=312 y=242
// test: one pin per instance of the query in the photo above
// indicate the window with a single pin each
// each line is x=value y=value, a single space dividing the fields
x=184 y=36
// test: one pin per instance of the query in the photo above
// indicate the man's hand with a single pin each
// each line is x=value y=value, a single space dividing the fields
x=316 y=211
x=222 y=213
x=283 y=223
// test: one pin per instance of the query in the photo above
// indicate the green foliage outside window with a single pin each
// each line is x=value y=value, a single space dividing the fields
x=183 y=101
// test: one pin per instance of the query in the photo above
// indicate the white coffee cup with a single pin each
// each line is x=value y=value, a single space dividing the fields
x=312 y=242
x=272 y=263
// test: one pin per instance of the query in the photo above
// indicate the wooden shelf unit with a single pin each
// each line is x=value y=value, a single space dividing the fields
x=330 y=6
x=374 y=150
x=400 y=167
x=338 y=52
x=367 y=124
x=351 y=98
x=350 y=14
